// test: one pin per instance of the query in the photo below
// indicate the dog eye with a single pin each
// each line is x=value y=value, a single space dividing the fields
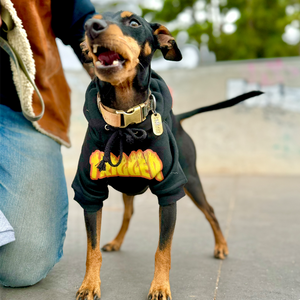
x=134 y=23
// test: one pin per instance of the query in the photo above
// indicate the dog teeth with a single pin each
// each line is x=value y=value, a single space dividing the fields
x=115 y=62
x=95 y=48
x=98 y=63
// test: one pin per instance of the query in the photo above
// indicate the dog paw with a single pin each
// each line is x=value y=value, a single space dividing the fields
x=112 y=246
x=89 y=293
x=221 y=251
x=159 y=292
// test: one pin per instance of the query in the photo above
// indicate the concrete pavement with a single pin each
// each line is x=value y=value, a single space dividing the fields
x=258 y=215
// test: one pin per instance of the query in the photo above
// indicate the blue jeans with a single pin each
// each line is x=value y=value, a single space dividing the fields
x=33 y=197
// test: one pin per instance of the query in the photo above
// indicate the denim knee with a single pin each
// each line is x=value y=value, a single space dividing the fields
x=24 y=272
x=33 y=198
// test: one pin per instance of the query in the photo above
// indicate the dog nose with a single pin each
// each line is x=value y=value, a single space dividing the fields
x=94 y=27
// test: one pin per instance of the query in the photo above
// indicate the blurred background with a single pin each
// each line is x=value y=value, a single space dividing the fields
x=231 y=29
x=229 y=47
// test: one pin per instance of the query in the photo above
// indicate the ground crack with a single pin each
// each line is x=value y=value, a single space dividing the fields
x=228 y=223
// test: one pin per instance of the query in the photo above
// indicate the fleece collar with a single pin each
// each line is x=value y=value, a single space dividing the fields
x=17 y=38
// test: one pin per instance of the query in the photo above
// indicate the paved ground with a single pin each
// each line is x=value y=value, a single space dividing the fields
x=258 y=214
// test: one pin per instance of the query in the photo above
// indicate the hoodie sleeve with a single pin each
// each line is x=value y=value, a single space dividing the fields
x=170 y=188
x=89 y=192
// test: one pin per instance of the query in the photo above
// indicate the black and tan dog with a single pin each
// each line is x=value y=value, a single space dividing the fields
x=132 y=142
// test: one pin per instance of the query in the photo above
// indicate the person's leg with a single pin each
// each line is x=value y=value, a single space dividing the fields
x=33 y=197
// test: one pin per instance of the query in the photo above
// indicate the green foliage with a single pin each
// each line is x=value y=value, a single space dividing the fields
x=172 y=8
x=259 y=29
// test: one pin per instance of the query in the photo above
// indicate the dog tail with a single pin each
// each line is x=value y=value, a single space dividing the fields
x=220 y=105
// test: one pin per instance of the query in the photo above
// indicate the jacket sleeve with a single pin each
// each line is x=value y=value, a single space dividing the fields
x=68 y=19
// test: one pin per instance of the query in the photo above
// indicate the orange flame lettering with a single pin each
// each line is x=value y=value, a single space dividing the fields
x=122 y=169
x=95 y=159
x=145 y=164
x=133 y=165
x=155 y=164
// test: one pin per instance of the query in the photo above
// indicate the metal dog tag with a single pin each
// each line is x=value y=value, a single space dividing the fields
x=157 y=125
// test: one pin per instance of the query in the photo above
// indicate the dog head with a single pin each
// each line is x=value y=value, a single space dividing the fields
x=122 y=44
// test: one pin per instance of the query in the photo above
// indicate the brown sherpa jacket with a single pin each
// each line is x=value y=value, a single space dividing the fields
x=33 y=23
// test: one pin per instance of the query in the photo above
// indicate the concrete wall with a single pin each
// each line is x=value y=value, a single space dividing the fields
x=258 y=137
x=247 y=138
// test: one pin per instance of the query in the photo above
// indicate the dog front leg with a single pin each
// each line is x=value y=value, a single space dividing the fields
x=90 y=288
x=160 y=286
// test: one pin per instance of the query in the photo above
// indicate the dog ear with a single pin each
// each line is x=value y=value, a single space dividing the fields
x=166 y=42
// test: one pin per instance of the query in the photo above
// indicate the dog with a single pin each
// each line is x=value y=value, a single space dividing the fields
x=135 y=142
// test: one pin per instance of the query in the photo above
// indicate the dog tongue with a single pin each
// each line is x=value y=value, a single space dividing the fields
x=108 y=57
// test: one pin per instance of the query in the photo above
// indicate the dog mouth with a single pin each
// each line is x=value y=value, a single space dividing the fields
x=107 y=58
